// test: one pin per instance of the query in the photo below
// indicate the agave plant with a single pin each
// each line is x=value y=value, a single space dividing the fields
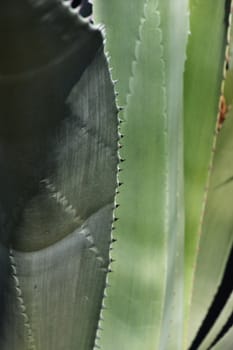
x=59 y=141
x=173 y=60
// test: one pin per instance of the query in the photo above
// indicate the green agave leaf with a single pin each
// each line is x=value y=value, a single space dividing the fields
x=174 y=15
x=135 y=299
x=59 y=288
x=219 y=324
x=122 y=20
x=151 y=226
x=202 y=80
x=216 y=237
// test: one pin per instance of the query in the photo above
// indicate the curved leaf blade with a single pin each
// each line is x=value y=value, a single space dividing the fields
x=202 y=81
x=60 y=253
x=174 y=15
x=216 y=239
x=135 y=298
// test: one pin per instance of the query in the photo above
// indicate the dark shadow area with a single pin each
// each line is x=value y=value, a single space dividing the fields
x=227 y=12
x=86 y=7
x=76 y=3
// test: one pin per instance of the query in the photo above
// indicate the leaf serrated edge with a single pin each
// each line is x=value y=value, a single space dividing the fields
x=100 y=328
x=21 y=304
x=138 y=41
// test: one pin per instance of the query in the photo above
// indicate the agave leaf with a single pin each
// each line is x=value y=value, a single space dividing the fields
x=153 y=168
x=60 y=288
x=174 y=15
x=219 y=324
x=202 y=80
x=215 y=233
x=60 y=252
x=135 y=299
x=216 y=239
x=121 y=20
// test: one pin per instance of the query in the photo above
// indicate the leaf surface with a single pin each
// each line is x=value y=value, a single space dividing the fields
x=216 y=232
x=151 y=225
x=60 y=251
x=121 y=20
x=174 y=25
x=202 y=81
x=135 y=298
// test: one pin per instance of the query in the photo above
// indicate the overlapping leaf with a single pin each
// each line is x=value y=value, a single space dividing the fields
x=215 y=239
x=58 y=178
x=153 y=177
x=174 y=15
x=135 y=299
x=203 y=75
